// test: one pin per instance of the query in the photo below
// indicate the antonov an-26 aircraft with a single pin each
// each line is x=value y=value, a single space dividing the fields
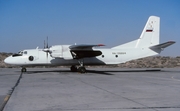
x=81 y=55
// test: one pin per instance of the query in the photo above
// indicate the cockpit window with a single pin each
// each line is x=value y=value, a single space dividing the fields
x=25 y=52
x=18 y=54
x=14 y=55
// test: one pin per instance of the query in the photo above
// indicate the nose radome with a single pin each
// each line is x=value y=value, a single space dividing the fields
x=8 y=60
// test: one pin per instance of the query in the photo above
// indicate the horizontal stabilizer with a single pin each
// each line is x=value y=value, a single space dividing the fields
x=163 y=45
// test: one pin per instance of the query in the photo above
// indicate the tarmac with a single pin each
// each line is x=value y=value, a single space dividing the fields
x=100 y=89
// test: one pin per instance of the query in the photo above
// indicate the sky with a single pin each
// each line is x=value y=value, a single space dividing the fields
x=25 y=24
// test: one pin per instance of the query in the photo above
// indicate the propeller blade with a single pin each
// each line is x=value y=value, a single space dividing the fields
x=44 y=44
x=47 y=43
x=46 y=48
x=47 y=55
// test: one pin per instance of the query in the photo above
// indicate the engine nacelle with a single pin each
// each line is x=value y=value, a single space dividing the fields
x=61 y=51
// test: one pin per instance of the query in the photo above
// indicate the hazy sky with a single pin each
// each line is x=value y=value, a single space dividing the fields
x=25 y=24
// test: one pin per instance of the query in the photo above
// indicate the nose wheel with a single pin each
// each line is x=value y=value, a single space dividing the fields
x=23 y=69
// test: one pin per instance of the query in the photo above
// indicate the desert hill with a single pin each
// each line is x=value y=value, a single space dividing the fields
x=148 y=62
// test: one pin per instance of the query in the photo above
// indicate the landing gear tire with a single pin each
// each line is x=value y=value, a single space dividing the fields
x=23 y=69
x=82 y=69
x=73 y=68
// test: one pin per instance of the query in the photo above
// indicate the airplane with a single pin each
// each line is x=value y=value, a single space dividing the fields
x=86 y=54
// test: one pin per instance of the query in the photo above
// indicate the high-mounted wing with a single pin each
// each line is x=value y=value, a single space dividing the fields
x=84 y=46
x=83 y=51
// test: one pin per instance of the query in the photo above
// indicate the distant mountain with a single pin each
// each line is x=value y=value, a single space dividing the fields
x=153 y=62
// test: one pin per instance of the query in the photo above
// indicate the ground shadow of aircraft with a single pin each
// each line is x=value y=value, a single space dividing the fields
x=68 y=71
x=107 y=72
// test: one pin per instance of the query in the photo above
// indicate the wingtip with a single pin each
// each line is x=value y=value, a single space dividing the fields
x=172 y=41
x=101 y=45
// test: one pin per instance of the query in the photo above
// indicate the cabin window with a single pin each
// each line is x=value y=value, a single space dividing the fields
x=116 y=56
x=102 y=56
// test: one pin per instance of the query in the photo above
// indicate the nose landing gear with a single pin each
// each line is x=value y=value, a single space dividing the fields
x=23 y=69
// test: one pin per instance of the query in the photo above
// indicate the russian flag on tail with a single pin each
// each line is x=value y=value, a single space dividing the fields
x=149 y=30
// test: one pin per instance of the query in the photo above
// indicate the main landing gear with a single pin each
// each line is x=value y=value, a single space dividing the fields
x=80 y=69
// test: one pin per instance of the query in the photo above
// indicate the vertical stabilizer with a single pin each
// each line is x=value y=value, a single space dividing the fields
x=149 y=36
x=150 y=33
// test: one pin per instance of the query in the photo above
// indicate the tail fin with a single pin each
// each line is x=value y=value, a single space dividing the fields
x=149 y=36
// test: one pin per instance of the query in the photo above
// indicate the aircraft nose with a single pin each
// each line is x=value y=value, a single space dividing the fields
x=8 y=60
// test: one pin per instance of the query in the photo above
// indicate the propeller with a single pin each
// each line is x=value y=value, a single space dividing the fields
x=47 y=43
x=46 y=48
x=44 y=43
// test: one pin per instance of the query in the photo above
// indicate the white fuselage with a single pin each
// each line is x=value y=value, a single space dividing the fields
x=146 y=45
x=108 y=56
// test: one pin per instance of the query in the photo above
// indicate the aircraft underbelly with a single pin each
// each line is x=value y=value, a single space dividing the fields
x=86 y=61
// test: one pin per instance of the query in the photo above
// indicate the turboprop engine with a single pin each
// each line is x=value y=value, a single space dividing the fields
x=60 y=51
